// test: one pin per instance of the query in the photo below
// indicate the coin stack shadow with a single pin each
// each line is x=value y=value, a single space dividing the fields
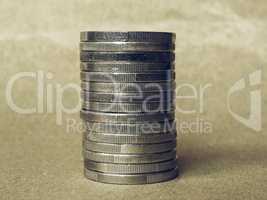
x=128 y=106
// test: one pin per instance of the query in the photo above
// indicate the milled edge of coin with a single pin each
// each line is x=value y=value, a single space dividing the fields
x=127 y=56
x=133 y=129
x=129 y=158
x=167 y=86
x=125 y=117
x=126 y=46
x=101 y=36
x=131 y=179
x=129 y=148
x=145 y=98
x=128 y=67
x=129 y=139
x=127 y=107
x=127 y=77
x=130 y=168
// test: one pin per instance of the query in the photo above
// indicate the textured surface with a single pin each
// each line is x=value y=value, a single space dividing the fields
x=218 y=42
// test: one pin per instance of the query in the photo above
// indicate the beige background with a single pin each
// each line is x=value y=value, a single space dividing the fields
x=218 y=42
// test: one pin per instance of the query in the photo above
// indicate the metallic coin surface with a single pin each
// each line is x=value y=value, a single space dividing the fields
x=129 y=139
x=127 y=77
x=130 y=168
x=131 y=179
x=98 y=36
x=127 y=67
x=126 y=46
x=127 y=56
x=129 y=158
x=140 y=97
x=125 y=117
x=131 y=129
x=129 y=148
x=127 y=107
x=128 y=87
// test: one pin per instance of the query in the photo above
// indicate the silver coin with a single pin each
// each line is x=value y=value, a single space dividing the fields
x=128 y=87
x=126 y=46
x=140 y=97
x=125 y=117
x=129 y=139
x=127 y=77
x=127 y=107
x=131 y=179
x=129 y=148
x=132 y=129
x=127 y=67
x=127 y=56
x=130 y=168
x=130 y=158
x=97 y=36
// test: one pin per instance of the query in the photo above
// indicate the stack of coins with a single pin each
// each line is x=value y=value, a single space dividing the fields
x=128 y=81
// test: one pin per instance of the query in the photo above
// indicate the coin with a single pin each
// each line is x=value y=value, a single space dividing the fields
x=130 y=168
x=127 y=56
x=140 y=97
x=127 y=67
x=129 y=139
x=97 y=36
x=129 y=158
x=128 y=77
x=127 y=107
x=126 y=46
x=129 y=148
x=132 y=129
x=131 y=179
x=128 y=87
x=125 y=117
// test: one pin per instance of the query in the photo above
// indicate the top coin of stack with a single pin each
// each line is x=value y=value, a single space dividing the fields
x=128 y=80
